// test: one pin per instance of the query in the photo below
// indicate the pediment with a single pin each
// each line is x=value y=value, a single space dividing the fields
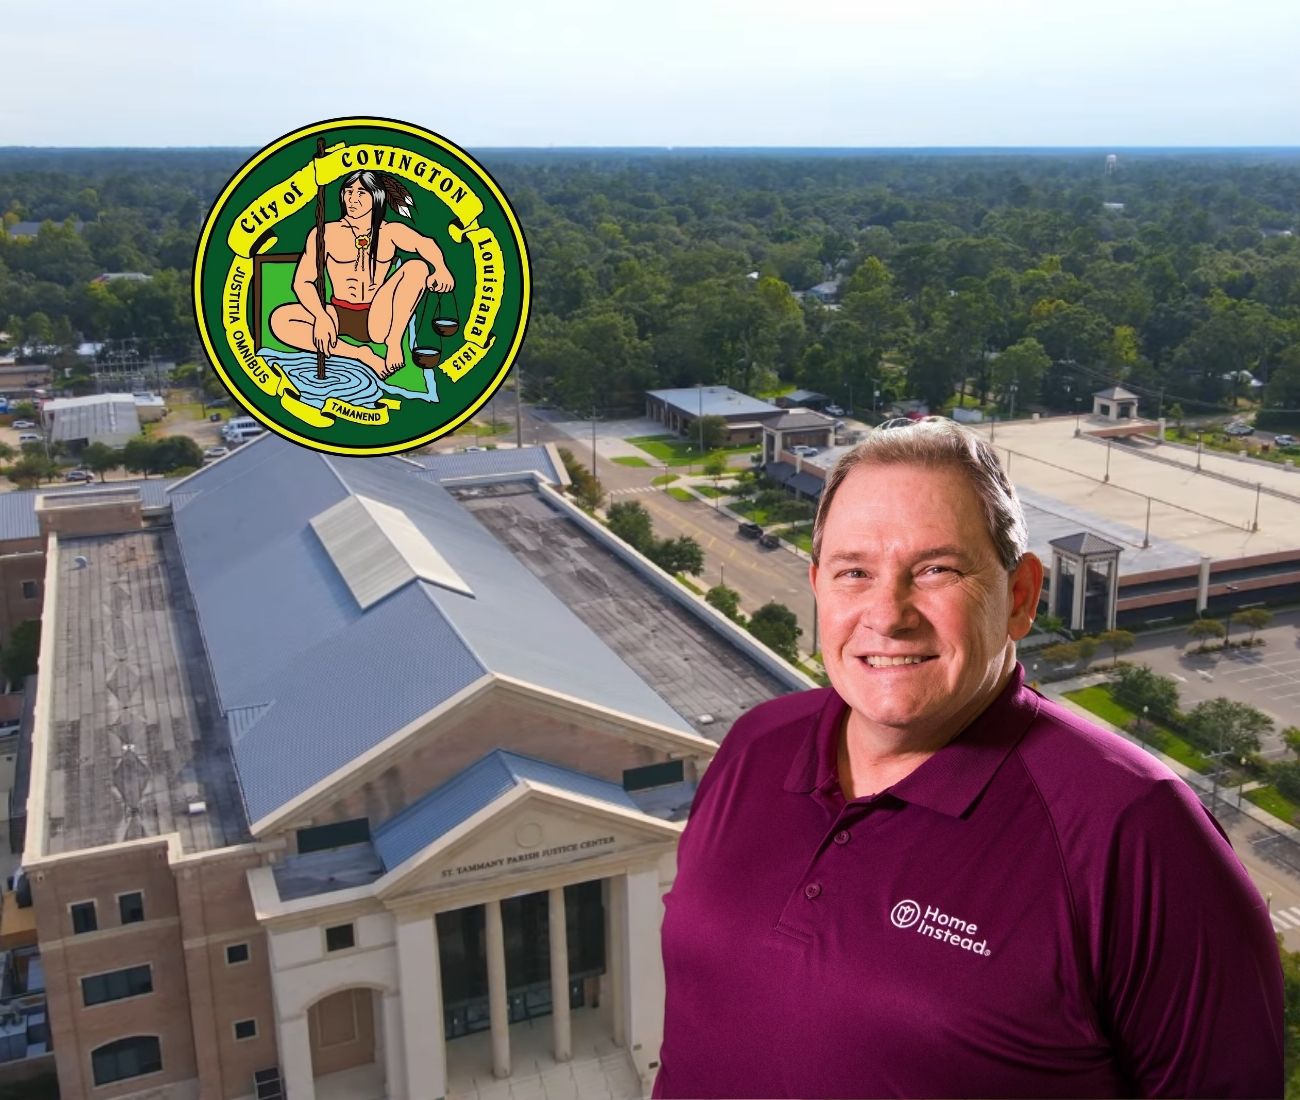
x=527 y=829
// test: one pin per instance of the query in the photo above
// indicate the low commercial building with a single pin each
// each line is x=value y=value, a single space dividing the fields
x=679 y=409
x=109 y=418
x=363 y=778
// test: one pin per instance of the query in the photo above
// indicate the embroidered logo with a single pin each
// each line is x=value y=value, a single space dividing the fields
x=933 y=922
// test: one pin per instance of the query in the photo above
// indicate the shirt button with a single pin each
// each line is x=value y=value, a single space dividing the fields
x=842 y=837
x=812 y=890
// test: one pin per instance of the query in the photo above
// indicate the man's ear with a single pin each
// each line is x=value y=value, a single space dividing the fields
x=1026 y=584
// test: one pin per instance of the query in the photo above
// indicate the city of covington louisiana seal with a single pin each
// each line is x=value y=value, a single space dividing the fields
x=361 y=286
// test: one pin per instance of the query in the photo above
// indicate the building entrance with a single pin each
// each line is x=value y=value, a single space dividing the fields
x=462 y=945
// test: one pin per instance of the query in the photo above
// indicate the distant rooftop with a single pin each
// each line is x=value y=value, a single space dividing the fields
x=107 y=418
x=476 y=464
x=694 y=669
x=18 y=507
x=713 y=401
x=135 y=738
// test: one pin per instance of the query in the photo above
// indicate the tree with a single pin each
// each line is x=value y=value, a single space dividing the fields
x=99 y=458
x=583 y=486
x=680 y=555
x=1022 y=365
x=1138 y=687
x=775 y=626
x=174 y=452
x=1117 y=641
x=1254 y=619
x=18 y=660
x=1291 y=738
x=1050 y=624
x=726 y=600
x=1087 y=648
x=712 y=430
x=715 y=465
x=1219 y=725
x=629 y=520
x=28 y=471
x=1176 y=414
x=1062 y=653
x=1204 y=629
x=137 y=455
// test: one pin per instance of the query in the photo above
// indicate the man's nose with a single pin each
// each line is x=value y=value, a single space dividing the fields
x=888 y=607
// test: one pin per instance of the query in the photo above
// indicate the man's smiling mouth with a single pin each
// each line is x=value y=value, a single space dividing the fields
x=893 y=662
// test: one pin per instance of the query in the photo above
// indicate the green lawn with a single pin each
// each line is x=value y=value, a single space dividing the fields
x=800 y=535
x=1098 y=700
x=680 y=494
x=630 y=460
x=665 y=479
x=710 y=492
x=750 y=510
x=1270 y=799
x=681 y=579
x=676 y=451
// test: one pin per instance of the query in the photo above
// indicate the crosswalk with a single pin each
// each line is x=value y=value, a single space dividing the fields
x=1285 y=919
x=636 y=489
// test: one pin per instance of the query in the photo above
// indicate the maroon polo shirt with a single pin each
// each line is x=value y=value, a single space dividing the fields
x=1040 y=909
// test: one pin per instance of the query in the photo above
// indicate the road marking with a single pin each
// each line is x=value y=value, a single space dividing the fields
x=1180 y=679
x=1286 y=918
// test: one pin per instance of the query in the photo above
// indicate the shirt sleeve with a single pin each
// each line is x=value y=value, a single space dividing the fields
x=1191 y=978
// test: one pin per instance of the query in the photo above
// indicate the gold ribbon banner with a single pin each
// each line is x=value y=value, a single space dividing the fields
x=361 y=414
x=286 y=197
x=489 y=270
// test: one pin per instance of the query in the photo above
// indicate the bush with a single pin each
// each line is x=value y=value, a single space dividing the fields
x=726 y=600
x=1136 y=686
x=775 y=626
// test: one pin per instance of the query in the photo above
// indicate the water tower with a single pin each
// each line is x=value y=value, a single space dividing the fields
x=1112 y=164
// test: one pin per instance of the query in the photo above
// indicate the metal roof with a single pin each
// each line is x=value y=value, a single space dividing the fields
x=1085 y=542
x=18 y=508
x=284 y=631
x=801 y=419
x=713 y=401
x=808 y=484
x=1116 y=393
x=477 y=787
x=504 y=460
x=112 y=420
x=798 y=397
x=780 y=472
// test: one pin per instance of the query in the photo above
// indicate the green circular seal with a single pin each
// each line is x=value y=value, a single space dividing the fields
x=362 y=286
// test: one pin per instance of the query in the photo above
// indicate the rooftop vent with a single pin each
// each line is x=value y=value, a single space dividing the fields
x=196 y=808
x=81 y=561
x=706 y=719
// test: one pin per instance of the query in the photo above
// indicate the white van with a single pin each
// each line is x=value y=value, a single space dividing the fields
x=241 y=429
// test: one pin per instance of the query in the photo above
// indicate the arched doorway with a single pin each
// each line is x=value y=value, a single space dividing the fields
x=346 y=1046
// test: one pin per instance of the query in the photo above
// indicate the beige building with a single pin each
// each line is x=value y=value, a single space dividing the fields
x=363 y=778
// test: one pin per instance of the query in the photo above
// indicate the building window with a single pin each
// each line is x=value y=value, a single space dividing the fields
x=30 y=590
x=131 y=907
x=133 y=1057
x=116 y=984
x=245 y=1029
x=340 y=937
x=236 y=953
x=83 y=917
x=653 y=775
x=338 y=834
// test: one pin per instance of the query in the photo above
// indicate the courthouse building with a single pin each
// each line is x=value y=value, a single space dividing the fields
x=362 y=778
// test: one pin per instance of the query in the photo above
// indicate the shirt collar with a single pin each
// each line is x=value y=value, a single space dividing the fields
x=951 y=780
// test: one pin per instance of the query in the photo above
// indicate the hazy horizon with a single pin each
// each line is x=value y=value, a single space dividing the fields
x=876 y=74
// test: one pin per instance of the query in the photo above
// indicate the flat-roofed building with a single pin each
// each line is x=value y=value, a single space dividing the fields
x=364 y=777
x=679 y=409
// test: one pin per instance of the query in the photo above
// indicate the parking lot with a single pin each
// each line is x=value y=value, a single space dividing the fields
x=1267 y=676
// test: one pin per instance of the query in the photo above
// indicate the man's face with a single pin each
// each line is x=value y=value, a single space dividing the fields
x=908 y=570
x=357 y=201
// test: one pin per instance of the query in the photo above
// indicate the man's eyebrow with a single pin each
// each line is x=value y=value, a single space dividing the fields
x=850 y=557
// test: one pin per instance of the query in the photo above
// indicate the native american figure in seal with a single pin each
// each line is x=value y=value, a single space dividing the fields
x=370 y=300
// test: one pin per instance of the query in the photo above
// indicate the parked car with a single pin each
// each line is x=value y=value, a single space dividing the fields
x=750 y=531
x=1284 y=440
x=803 y=449
x=216 y=452
x=23 y=424
x=834 y=410
x=78 y=475
x=472 y=450
x=1238 y=429
x=769 y=540
x=29 y=437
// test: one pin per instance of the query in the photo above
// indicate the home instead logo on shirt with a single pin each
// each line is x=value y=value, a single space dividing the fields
x=938 y=925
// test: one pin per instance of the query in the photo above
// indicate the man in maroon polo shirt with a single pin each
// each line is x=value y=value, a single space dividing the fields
x=930 y=881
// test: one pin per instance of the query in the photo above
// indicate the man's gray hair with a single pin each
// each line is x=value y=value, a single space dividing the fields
x=937 y=442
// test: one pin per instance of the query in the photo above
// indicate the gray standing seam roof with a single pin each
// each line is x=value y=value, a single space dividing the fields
x=308 y=680
x=478 y=786
x=18 y=508
x=111 y=422
x=521 y=460
x=713 y=401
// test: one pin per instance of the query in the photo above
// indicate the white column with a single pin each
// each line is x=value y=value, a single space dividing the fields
x=1203 y=585
x=295 y=1058
x=559 y=975
x=418 y=1034
x=646 y=969
x=1080 y=592
x=390 y=1016
x=616 y=955
x=496 y=960
x=1113 y=603
x=1054 y=586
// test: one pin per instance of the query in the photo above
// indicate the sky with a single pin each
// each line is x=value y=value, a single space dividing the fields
x=488 y=73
